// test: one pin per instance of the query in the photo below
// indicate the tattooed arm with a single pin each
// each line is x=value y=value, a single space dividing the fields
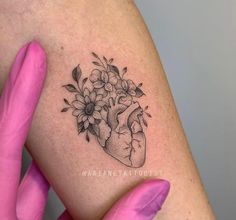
x=106 y=106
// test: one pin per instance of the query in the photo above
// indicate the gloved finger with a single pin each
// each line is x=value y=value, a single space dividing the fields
x=65 y=216
x=17 y=104
x=32 y=194
x=141 y=203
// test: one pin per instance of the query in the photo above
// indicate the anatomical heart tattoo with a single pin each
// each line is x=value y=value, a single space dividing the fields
x=105 y=106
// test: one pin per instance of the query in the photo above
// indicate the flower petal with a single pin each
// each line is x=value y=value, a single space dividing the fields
x=100 y=103
x=118 y=84
x=86 y=124
x=86 y=92
x=124 y=85
x=87 y=99
x=100 y=91
x=104 y=77
x=91 y=120
x=120 y=91
x=80 y=117
x=95 y=75
x=132 y=92
x=76 y=112
x=92 y=96
x=99 y=97
x=105 y=93
x=78 y=105
x=112 y=78
x=79 y=97
x=85 y=118
x=108 y=87
x=98 y=84
x=131 y=84
x=98 y=108
x=97 y=115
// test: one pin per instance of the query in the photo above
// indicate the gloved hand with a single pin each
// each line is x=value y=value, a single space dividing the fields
x=26 y=201
x=17 y=104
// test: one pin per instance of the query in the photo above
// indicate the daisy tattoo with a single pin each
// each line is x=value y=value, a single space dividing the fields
x=105 y=106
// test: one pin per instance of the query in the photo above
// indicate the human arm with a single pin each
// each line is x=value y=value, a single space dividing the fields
x=69 y=33
x=26 y=199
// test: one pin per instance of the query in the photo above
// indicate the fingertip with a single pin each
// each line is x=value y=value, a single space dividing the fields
x=36 y=48
x=32 y=73
x=162 y=184
x=162 y=188
x=142 y=202
x=37 y=55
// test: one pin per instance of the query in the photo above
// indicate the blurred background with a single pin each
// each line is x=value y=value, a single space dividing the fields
x=195 y=40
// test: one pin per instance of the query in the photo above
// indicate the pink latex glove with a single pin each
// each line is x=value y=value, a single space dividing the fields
x=27 y=200
x=17 y=105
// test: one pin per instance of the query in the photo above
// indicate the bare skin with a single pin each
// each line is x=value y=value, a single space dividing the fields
x=69 y=31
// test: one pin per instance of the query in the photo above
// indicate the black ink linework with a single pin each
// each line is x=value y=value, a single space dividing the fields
x=105 y=106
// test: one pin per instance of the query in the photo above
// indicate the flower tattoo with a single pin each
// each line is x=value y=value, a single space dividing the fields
x=87 y=108
x=105 y=105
